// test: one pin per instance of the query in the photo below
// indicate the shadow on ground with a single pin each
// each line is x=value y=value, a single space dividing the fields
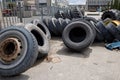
x=67 y=52
x=19 y=77
x=98 y=44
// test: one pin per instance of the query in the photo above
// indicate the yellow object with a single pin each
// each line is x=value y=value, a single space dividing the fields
x=116 y=22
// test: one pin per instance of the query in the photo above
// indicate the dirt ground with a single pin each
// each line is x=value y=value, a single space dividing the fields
x=94 y=63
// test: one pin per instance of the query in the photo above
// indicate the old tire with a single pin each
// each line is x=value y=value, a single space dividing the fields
x=63 y=24
x=26 y=55
x=104 y=32
x=113 y=30
x=77 y=35
x=67 y=20
x=43 y=27
x=52 y=26
x=112 y=14
x=43 y=43
x=91 y=19
x=90 y=24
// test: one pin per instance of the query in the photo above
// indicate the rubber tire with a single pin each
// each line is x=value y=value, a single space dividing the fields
x=75 y=14
x=60 y=20
x=58 y=27
x=63 y=24
x=113 y=30
x=58 y=15
x=30 y=53
x=54 y=25
x=43 y=42
x=68 y=15
x=51 y=27
x=78 y=46
x=105 y=33
x=118 y=27
x=99 y=37
x=108 y=14
x=91 y=19
x=90 y=24
x=67 y=20
x=43 y=27
x=46 y=21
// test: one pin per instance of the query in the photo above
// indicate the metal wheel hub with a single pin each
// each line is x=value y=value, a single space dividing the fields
x=10 y=49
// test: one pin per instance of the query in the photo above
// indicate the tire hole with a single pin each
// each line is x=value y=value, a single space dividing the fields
x=42 y=28
x=9 y=48
x=21 y=47
x=77 y=34
x=38 y=37
x=18 y=54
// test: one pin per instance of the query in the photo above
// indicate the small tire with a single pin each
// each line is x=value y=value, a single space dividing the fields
x=27 y=55
x=43 y=43
x=78 y=35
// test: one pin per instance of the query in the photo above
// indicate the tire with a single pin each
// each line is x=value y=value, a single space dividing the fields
x=78 y=35
x=57 y=27
x=43 y=43
x=112 y=14
x=105 y=33
x=51 y=27
x=27 y=51
x=90 y=24
x=46 y=21
x=113 y=30
x=43 y=27
x=67 y=20
x=58 y=15
x=63 y=24
x=68 y=15
x=99 y=37
x=75 y=13
x=91 y=19
x=54 y=26
x=118 y=27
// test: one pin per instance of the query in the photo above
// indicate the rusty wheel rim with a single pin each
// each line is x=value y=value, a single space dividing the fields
x=10 y=49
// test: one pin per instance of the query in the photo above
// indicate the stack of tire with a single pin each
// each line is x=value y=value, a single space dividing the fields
x=20 y=46
x=56 y=26
x=77 y=34
x=112 y=14
x=108 y=30
x=70 y=14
